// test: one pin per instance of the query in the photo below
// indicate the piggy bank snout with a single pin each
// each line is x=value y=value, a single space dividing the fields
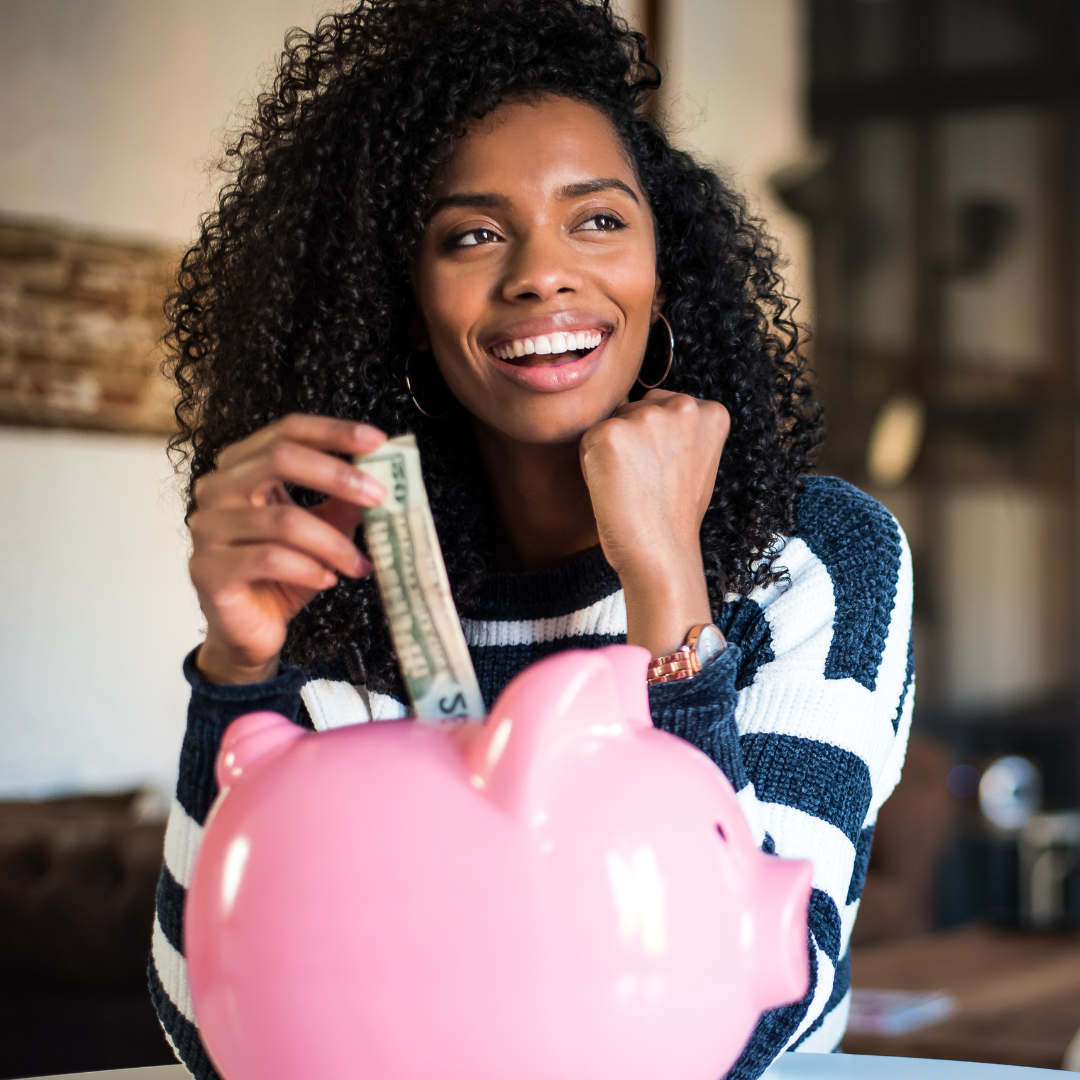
x=783 y=898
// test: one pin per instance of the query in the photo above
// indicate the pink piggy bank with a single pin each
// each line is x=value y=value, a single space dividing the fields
x=560 y=892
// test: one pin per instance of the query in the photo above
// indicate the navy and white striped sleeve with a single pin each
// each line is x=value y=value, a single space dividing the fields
x=809 y=717
x=211 y=710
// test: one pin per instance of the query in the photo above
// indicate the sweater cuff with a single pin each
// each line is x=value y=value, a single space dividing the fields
x=212 y=709
x=702 y=711
x=285 y=683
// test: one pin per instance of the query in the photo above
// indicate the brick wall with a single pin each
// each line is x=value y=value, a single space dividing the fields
x=80 y=328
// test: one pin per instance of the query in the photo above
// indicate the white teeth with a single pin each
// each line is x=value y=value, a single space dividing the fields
x=554 y=344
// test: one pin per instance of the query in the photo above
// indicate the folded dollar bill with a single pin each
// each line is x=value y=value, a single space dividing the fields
x=415 y=592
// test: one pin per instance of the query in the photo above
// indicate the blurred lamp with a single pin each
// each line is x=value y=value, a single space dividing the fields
x=1010 y=792
x=895 y=440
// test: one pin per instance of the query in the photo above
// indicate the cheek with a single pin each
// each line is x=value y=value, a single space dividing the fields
x=631 y=281
x=453 y=303
x=633 y=289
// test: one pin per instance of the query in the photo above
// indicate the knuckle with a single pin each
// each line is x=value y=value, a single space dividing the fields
x=719 y=416
x=290 y=520
x=650 y=417
x=281 y=455
x=291 y=424
x=607 y=436
x=269 y=560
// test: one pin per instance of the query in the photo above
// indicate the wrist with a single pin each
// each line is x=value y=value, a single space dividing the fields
x=221 y=665
x=664 y=601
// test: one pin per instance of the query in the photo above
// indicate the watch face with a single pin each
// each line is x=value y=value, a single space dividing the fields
x=710 y=644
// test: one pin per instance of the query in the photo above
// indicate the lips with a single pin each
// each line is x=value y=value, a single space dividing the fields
x=549 y=352
x=552 y=372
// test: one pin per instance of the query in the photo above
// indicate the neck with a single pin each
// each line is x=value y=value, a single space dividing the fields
x=541 y=499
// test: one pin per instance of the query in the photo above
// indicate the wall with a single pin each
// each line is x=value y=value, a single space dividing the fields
x=97 y=612
x=734 y=87
x=110 y=111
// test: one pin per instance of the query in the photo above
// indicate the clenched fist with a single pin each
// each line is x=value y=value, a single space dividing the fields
x=651 y=469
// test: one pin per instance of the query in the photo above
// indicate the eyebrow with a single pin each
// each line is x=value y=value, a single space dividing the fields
x=485 y=200
x=474 y=200
x=591 y=187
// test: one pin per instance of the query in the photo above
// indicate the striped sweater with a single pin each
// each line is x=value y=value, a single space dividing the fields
x=807 y=713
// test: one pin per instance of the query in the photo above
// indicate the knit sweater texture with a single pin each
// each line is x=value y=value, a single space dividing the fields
x=807 y=713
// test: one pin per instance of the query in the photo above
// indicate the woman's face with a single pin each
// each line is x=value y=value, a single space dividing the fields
x=536 y=275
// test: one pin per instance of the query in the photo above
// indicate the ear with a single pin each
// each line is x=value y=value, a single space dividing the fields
x=658 y=301
x=544 y=716
x=254 y=737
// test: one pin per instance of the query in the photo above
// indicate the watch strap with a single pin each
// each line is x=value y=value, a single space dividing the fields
x=684 y=663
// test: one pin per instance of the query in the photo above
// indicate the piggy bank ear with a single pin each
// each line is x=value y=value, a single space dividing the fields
x=251 y=738
x=553 y=708
x=631 y=666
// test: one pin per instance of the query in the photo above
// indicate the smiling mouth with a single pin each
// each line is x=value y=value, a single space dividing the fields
x=557 y=348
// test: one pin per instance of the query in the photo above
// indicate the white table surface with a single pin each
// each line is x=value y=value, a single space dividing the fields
x=865 y=1067
x=787 y=1067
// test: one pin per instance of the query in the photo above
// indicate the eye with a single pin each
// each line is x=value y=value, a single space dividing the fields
x=720 y=830
x=474 y=238
x=601 y=223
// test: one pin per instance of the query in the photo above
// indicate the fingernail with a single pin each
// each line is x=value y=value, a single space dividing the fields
x=365 y=436
x=370 y=489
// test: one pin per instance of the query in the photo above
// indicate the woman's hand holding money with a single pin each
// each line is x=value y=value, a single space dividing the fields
x=258 y=557
x=651 y=469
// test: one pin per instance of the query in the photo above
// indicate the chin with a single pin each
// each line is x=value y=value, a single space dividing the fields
x=535 y=425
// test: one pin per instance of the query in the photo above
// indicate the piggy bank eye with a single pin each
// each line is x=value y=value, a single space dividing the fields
x=720 y=830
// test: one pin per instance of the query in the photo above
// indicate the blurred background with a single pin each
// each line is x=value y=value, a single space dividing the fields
x=917 y=161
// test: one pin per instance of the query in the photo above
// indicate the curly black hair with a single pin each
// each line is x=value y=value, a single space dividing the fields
x=296 y=297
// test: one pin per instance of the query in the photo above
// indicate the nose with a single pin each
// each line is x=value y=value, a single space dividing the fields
x=542 y=265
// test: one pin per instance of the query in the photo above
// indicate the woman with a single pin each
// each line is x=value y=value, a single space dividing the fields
x=457 y=220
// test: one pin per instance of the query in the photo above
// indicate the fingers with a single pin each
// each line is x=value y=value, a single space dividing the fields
x=343 y=516
x=287 y=526
x=251 y=480
x=689 y=410
x=222 y=570
x=319 y=432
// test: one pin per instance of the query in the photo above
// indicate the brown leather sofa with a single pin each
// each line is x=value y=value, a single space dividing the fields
x=77 y=882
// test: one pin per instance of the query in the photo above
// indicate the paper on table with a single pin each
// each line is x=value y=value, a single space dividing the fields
x=893 y=1012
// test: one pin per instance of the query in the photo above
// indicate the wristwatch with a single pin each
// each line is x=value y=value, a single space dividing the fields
x=703 y=644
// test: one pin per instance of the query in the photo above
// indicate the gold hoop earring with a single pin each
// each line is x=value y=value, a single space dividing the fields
x=670 y=358
x=412 y=393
